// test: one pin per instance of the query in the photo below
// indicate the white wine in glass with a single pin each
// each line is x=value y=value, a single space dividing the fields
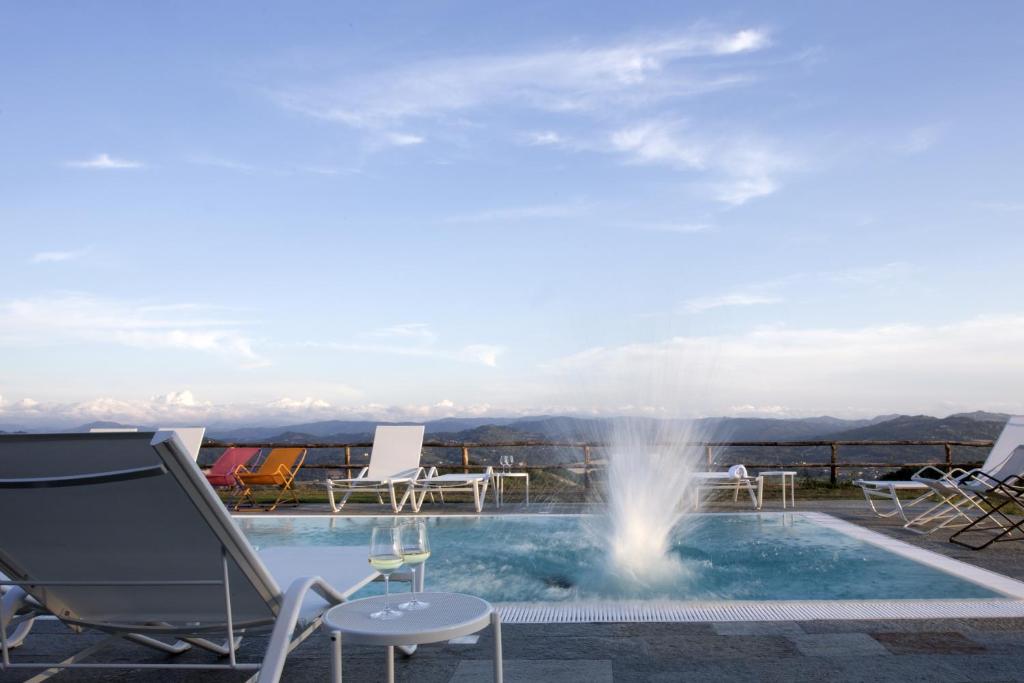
x=385 y=557
x=415 y=551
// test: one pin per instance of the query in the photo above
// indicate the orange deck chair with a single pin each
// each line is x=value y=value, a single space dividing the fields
x=277 y=471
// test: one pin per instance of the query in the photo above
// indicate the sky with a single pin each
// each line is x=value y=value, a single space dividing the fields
x=263 y=212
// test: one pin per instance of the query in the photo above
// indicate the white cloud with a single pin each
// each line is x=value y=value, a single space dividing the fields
x=681 y=228
x=105 y=161
x=544 y=137
x=701 y=304
x=80 y=317
x=226 y=164
x=741 y=167
x=57 y=256
x=404 y=139
x=969 y=364
x=579 y=78
x=521 y=213
x=922 y=139
x=411 y=331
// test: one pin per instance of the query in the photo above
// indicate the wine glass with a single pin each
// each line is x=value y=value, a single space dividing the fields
x=385 y=557
x=415 y=551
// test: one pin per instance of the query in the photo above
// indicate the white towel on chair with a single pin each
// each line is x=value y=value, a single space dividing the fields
x=738 y=472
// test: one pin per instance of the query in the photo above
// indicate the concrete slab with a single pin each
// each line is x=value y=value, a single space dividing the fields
x=534 y=671
x=838 y=645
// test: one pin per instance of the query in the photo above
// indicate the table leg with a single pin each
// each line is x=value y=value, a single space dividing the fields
x=527 y=490
x=760 y=492
x=498 y=665
x=783 y=491
x=336 y=657
x=389 y=665
x=792 y=490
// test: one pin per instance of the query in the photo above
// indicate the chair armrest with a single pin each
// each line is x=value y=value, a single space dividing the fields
x=489 y=472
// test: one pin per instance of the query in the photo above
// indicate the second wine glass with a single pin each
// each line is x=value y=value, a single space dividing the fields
x=415 y=551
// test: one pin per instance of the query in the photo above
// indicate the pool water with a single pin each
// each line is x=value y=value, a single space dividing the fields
x=558 y=558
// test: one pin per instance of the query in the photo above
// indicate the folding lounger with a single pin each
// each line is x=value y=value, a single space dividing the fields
x=93 y=550
x=277 y=471
x=394 y=462
x=223 y=472
x=1001 y=498
x=889 y=491
x=732 y=480
x=960 y=492
x=477 y=483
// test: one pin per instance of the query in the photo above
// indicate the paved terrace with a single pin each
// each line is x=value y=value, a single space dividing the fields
x=898 y=650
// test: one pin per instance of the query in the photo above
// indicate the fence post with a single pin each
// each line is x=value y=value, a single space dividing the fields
x=586 y=468
x=949 y=457
x=348 y=462
x=833 y=470
x=711 y=459
x=465 y=459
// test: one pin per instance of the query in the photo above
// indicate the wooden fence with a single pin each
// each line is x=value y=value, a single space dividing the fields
x=588 y=465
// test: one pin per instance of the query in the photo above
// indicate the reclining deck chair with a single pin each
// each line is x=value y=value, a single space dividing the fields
x=277 y=471
x=475 y=482
x=960 y=493
x=732 y=480
x=121 y=534
x=394 y=461
x=222 y=472
x=996 y=525
x=889 y=491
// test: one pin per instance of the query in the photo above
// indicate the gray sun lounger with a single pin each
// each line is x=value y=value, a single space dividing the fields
x=120 y=533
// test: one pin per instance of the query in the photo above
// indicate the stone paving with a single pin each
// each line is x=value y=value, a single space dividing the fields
x=893 y=650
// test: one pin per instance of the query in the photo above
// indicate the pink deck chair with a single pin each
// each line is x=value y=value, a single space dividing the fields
x=222 y=473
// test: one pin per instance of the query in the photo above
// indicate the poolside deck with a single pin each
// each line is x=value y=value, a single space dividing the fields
x=896 y=650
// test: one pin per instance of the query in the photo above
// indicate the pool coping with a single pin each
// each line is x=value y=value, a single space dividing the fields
x=669 y=611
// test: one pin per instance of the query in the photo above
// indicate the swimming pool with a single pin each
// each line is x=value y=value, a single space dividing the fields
x=757 y=561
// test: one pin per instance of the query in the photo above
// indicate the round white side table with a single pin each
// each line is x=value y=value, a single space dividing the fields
x=450 y=615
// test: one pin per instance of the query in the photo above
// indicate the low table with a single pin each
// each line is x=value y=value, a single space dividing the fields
x=499 y=485
x=791 y=475
x=450 y=615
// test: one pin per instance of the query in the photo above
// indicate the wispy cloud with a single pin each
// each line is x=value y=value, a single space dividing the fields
x=586 y=77
x=82 y=317
x=226 y=164
x=701 y=304
x=404 y=139
x=543 y=138
x=58 y=256
x=412 y=339
x=860 y=370
x=521 y=213
x=681 y=228
x=870 y=275
x=104 y=162
x=738 y=168
x=922 y=138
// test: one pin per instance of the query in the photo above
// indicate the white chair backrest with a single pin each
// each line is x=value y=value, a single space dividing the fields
x=120 y=508
x=395 y=450
x=1007 y=457
x=191 y=437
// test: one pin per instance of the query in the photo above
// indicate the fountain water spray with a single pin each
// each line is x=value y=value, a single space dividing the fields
x=648 y=494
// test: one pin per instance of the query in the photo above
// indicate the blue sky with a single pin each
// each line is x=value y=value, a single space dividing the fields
x=252 y=212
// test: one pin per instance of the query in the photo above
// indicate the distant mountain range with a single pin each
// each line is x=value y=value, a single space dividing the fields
x=960 y=426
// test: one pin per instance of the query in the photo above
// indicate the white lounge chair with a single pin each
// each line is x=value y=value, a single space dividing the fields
x=122 y=534
x=882 y=490
x=394 y=462
x=476 y=482
x=958 y=491
x=732 y=480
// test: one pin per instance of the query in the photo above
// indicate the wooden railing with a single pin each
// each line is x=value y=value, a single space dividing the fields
x=589 y=465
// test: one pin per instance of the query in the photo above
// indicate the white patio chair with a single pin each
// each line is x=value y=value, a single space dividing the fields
x=732 y=480
x=394 y=462
x=958 y=492
x=477 y=482
x=120 y=533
